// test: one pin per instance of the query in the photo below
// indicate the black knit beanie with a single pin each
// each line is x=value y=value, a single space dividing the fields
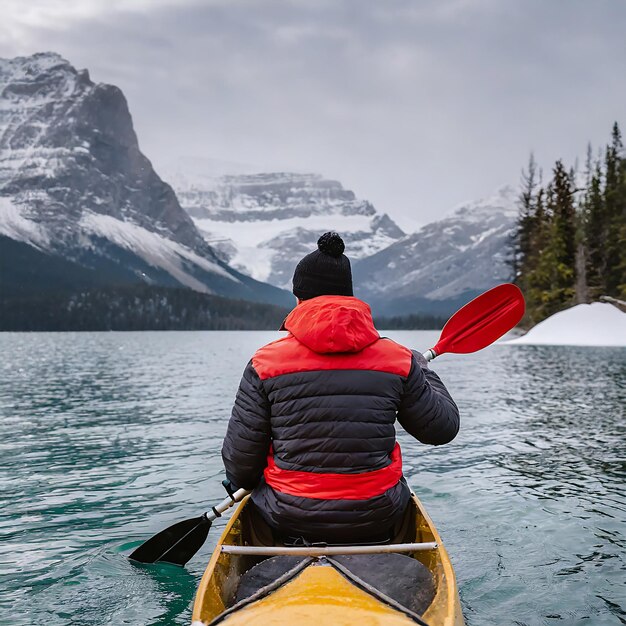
x=325 y=272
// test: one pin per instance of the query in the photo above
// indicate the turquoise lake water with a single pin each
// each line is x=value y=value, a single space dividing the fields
x=107 y=438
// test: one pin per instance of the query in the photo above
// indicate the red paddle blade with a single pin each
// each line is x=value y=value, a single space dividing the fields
x=482 y=321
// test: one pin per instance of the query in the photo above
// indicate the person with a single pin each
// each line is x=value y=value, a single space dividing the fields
x=312 y=428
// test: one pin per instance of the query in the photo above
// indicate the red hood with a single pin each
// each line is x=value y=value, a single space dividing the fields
x=329 y=324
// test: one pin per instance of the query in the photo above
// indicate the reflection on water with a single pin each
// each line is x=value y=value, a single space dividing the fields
x=106 y=438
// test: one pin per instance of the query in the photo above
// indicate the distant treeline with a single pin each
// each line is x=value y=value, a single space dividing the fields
x=570 y=243
x=135 y=308
x=144 y=307
x=410 y=322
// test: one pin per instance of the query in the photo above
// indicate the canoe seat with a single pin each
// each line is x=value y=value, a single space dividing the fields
x=400 y=577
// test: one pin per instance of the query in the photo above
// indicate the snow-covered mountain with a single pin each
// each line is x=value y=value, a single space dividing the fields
x=80 y=205
x=264 y=223
x=445 y=262
x=77 y=196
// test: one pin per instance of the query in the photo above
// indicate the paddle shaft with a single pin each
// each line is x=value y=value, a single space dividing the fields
x=225 y=504
x=429 y=355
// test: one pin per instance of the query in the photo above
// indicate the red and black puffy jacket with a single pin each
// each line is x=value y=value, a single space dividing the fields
x=312 y=429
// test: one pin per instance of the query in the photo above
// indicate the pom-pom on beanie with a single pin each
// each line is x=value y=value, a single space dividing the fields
x=325 y=272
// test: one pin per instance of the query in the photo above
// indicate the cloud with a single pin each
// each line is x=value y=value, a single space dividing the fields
x=416 y=105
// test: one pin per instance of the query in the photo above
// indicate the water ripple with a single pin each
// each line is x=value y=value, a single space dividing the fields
x=106 y=438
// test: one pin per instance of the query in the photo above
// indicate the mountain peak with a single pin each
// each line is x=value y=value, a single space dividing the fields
x=38 y=60
x=28 y=83
x=504 y=200
x=31 y=68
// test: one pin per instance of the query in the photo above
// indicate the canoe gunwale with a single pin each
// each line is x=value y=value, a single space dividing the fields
x=216 y=589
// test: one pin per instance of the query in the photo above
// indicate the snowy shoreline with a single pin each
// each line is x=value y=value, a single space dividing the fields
x=596 y=324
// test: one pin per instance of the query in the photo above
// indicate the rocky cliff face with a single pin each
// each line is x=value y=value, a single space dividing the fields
x=73 y=183
x=263 y=224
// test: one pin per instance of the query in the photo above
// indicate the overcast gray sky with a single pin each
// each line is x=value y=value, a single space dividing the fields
x=416 y=105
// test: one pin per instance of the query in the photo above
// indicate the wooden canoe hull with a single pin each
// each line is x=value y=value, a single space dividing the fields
x=320 y=595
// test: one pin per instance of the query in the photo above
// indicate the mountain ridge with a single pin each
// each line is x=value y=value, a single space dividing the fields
x=452 y=259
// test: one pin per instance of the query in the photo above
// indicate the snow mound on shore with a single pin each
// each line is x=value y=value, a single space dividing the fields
x=596 y=324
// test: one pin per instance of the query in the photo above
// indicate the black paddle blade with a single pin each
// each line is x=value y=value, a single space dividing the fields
x=176 y=544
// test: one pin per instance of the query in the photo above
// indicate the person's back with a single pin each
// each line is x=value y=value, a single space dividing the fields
x=312 y=429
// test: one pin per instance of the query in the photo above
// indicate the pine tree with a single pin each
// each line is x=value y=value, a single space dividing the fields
x=536 y=275
x=594 y=221
x=614 y=213
x=552 y=279
x=582 y=288
x=621 y=267
x=523 y=232
x=563 y=236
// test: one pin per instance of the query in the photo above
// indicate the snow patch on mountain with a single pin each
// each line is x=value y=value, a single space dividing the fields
x=264 y=223
x=156 y=250
x=15 y=225
x=254 y=245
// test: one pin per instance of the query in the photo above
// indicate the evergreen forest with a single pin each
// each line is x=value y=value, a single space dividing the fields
x=136 y=307
x=569 y=245
x=416 y=321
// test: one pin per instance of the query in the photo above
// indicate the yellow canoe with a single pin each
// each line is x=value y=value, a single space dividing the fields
x=316 y=594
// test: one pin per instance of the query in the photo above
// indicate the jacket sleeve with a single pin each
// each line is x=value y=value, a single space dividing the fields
x=248 y=436
x=426 y=410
